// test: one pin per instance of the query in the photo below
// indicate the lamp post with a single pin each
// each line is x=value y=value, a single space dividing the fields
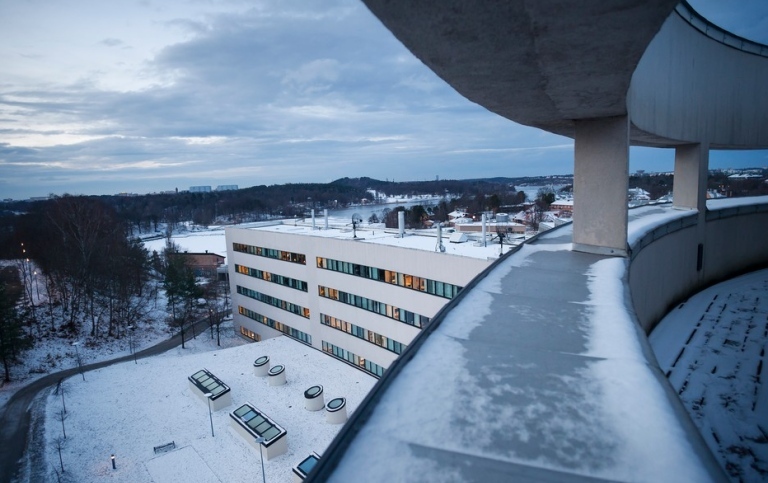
x=37 y=287
x=208 y=396
x=259 y=441
x=114 y=466
x=79 y=364
x=130 y=342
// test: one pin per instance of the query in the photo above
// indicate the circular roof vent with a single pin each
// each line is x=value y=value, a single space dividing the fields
x=336 y=411
x=277 y=375
x=313 y=398
x=261 y=366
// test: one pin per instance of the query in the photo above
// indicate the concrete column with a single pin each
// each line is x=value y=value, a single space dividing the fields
x=601 y=180
x=690 y=186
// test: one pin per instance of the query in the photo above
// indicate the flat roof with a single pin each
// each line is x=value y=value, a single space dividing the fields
x=425 y=239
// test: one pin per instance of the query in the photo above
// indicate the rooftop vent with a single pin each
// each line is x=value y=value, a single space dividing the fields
x=277 y=375
x=458 y=237
x=261 y=366
x=314 y=399
x=336 y=411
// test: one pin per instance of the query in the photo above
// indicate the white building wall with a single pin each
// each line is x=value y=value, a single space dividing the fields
x=453 y=269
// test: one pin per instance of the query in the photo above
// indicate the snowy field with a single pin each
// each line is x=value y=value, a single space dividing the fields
x=130 y=408
x=712 y=348
x=211 y=240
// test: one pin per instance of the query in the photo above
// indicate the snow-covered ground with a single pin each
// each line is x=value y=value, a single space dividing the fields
x=712 y=348
x=129 y=408
x=211 y=240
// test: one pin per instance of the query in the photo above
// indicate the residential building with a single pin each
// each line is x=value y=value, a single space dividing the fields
x=359 y=295
x=203 y=264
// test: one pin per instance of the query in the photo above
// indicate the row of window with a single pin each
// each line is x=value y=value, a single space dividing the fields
x=250 y=334
x=362 y=333
x=360 y=362
x=413 y=282
x=274 y=301
x=375 y=306
x=270 y=253
x=285 y=329
x=272 y=277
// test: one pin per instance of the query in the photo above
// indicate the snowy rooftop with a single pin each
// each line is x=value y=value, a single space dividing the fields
x=128 y=409
x=425 y=240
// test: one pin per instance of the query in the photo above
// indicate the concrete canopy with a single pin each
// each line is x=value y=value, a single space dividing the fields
x=520 y=61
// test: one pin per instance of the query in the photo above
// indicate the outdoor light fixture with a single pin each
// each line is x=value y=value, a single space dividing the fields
x=79 y=364
x=130 y=342
x=208 y=396
x=114 y=467
x=259 y=440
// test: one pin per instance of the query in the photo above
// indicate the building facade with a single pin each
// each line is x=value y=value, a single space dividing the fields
x=202 y=264
x=359 y=296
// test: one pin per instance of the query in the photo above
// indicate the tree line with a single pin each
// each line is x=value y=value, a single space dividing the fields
x=79 y=272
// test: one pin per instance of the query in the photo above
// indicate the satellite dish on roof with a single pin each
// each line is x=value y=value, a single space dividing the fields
x=356 y=220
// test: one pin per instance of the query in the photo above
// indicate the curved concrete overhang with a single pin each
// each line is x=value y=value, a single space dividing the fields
x=636 y=57
x=522 y=62
x=690 y=87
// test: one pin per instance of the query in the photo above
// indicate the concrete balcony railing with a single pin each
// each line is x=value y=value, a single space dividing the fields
x=679 y=258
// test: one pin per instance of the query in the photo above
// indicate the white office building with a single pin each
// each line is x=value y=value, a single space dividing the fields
x=359 y=295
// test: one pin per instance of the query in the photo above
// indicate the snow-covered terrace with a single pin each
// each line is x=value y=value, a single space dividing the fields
x=130 y=408
x=539 y=372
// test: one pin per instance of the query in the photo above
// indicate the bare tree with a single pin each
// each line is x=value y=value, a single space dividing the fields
x=62 y=416
x=60 y=443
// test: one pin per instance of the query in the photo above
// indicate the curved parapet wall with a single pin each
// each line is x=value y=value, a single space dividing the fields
x=698 y=83
x=667 y=265
x=721 y=35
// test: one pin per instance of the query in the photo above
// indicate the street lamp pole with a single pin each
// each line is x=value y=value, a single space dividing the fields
x=37 y=287
x=260 y=440
x=79 y=363
x=130 y=342
x=208 y=396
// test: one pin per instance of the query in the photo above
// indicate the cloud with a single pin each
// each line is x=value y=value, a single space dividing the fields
x=111 y=42
x=245 y=93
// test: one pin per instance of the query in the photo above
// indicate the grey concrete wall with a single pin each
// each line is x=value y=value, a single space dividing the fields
x=663 y=272
x=692 y=88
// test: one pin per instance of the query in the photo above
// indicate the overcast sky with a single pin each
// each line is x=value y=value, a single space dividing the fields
x=143 y=96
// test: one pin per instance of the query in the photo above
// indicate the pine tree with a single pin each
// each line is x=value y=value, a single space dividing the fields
x=12 y=337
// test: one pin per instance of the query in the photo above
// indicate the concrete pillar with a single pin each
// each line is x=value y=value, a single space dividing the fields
x=601 y=180
x=690 y=187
